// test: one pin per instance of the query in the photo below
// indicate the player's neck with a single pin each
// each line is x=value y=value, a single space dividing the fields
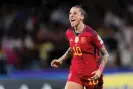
x=79 y=28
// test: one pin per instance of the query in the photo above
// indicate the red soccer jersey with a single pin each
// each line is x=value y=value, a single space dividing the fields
x=85 y=49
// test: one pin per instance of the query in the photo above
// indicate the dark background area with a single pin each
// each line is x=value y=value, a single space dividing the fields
x=32 y=33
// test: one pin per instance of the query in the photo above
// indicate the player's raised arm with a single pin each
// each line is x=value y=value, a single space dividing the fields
x=56 y=62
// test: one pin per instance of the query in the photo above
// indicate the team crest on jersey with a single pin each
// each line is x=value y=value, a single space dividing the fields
x=83 y=40
x=76 y=39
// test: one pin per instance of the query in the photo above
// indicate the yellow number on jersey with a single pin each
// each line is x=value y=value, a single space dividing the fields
x=77 y=51
x=93 y=82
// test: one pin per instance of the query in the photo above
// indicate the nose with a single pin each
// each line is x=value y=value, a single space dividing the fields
x=71 y=15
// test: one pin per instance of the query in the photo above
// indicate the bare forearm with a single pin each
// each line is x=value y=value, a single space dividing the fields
x=104 y=60
x=98 y=73
x=66 y=55
x=105 y=56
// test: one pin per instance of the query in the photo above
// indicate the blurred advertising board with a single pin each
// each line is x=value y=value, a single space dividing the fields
x=56 y=79
x=31 y=84
x=118 y=81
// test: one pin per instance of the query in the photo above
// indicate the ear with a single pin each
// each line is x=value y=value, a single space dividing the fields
x=82 y=17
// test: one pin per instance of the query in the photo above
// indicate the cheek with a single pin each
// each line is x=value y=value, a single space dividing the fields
x=78 y=19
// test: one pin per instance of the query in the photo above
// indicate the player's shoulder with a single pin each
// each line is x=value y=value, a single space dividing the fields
x=90 y=31
x=69 y=30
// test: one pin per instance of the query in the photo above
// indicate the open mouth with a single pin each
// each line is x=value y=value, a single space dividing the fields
x=72 y=20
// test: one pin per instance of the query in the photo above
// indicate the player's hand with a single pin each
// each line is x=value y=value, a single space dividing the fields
x=56 y=63
x=97 y=74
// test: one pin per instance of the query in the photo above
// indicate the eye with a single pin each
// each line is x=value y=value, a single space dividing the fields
x=75 y=13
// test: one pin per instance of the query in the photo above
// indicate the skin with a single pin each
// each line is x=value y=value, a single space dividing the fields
x=76 y=20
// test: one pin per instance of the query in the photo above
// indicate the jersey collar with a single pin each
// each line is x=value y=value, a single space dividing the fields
x=80 y=32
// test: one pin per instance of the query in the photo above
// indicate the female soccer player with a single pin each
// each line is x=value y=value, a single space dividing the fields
x=85 y=44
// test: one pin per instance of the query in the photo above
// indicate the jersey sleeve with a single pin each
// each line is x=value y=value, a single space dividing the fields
x=97 y=41
x=66 y=35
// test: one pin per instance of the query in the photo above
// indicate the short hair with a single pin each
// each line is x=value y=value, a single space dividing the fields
x=83 y=12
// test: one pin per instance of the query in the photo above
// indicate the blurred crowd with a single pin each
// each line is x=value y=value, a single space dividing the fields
x=30 y=37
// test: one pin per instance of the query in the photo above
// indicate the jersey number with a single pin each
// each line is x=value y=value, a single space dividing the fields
x=77 y=51
x=93 y=82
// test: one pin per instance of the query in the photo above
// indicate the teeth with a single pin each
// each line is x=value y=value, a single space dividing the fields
x=72 y=20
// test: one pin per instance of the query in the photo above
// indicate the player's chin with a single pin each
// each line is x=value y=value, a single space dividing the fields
x=73 y=24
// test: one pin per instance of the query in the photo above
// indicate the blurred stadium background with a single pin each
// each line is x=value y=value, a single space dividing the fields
x=32 y=34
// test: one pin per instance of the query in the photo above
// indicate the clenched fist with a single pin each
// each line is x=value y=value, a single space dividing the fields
x=56 y=63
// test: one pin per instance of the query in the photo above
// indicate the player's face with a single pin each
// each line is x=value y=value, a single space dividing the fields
x=75 y=16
